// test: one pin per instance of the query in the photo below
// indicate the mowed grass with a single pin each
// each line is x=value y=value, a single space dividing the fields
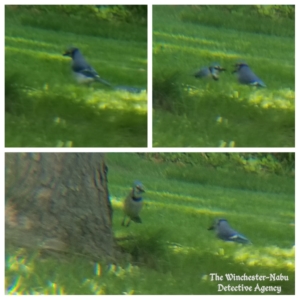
x=190 y=112
x=45 y=107
x=172 y=252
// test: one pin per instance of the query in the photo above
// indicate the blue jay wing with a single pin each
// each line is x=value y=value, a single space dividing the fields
x=246 y=76
x=88 y=72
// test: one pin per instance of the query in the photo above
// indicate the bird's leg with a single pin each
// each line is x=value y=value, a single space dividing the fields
x=123 y=222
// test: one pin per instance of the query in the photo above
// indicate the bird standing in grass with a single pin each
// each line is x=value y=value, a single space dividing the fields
x=210 y=72
x=82 y=71
x=226 y=233
x=133 y=204
x=246 y=76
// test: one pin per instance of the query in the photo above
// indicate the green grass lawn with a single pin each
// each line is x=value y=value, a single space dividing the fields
x=172 y=252
x=45 y=107
x=190 y=112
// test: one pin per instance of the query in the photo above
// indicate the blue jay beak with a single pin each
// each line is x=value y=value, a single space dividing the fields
x=70 y=51
x=67 y=53
x=140 y=188
x=213 y=226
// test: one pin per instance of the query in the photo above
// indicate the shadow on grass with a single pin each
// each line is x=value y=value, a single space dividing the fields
x=49 y=120
x=146 y=249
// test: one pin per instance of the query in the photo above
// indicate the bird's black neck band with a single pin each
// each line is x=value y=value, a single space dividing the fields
x=136 y=199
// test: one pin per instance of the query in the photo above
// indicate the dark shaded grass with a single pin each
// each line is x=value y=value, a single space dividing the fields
x=81 y=25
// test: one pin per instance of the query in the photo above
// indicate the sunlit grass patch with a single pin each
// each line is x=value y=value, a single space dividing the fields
x=272 y=256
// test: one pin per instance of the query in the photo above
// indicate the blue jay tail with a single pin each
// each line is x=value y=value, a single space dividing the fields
x=238 y=238
x=258 y=84
x=129 y=89
x=136 y=219
x=103 y=81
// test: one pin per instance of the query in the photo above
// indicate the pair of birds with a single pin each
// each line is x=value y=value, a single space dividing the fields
x=133 y=205
x=243 y=72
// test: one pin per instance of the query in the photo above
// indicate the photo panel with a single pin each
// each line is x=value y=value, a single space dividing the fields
x=150 y=223
x=76 y=75
x=224 y=75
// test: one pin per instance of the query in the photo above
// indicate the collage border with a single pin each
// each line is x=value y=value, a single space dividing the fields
x=149 y=148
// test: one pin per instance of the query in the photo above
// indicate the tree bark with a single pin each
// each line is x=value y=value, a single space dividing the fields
x=59 y=201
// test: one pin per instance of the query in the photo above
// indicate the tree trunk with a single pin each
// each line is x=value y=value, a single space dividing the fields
x=59 y=201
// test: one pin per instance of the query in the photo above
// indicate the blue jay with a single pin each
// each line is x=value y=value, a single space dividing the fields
x=226 y=233
x=246 y=76
x=82 y=71
x=210 y=72
x=133 y=204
